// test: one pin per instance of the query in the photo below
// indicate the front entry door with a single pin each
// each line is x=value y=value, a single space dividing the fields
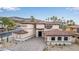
x=39 y=33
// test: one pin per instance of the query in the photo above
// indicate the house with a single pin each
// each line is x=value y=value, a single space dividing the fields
x=72 y=28
x=75 y=29
x=4 y=36
x=49 y=31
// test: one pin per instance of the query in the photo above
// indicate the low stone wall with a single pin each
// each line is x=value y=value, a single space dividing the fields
x=59 y=43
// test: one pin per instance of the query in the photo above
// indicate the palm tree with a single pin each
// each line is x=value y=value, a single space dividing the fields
x=51 y=18
x=32 y=18
x=55 y=18
x=48 y=19
x=70 y=22
x=8 y=24
x=34 y=23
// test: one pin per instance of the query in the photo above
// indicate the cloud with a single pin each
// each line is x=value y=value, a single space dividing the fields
x=9 y=9
x=73 y=8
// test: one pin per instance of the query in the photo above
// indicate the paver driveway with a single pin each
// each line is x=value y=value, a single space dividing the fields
x=34 y=44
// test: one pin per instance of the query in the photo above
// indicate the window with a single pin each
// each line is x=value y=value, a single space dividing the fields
x=59 y=38
x=65 y=38
x=78 y=37
x=73 y=36
x=53 y=38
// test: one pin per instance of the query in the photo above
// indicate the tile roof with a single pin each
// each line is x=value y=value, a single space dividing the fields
x=52 y=23
x=21 y=32
x=38 y=22
x=57 y=32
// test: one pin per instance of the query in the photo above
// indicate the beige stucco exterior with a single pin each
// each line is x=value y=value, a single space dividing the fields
x=40 y=26
x=29 y=28
x=53 y=27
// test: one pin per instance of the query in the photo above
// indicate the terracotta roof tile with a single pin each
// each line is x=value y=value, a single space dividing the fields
x=21 y=32
x=57 y=32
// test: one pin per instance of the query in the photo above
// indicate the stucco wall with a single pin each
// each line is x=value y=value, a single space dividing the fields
x=53 y=27
x=24 y=26
x=22 y=37
x=27 y=27
x=40 y=26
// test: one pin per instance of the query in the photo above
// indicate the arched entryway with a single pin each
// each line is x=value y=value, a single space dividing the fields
x=39 y=33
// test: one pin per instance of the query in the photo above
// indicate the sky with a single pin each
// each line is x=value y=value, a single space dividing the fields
x=42 y=12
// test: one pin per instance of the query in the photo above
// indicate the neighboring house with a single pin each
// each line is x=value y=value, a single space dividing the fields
x=75 y=29
x=6 y=35
x=72 y=28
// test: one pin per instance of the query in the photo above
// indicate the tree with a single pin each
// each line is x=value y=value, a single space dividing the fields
x=54 y=18
x=32 y=19
x=34 y=23
x=8 y=24
x=48 y=19
x=70 y=22
x=51 y=18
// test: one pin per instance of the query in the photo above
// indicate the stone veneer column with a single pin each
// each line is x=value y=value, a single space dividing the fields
x=56 y=38
x=62 y=38
x=48 y=40
x=36 y=33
